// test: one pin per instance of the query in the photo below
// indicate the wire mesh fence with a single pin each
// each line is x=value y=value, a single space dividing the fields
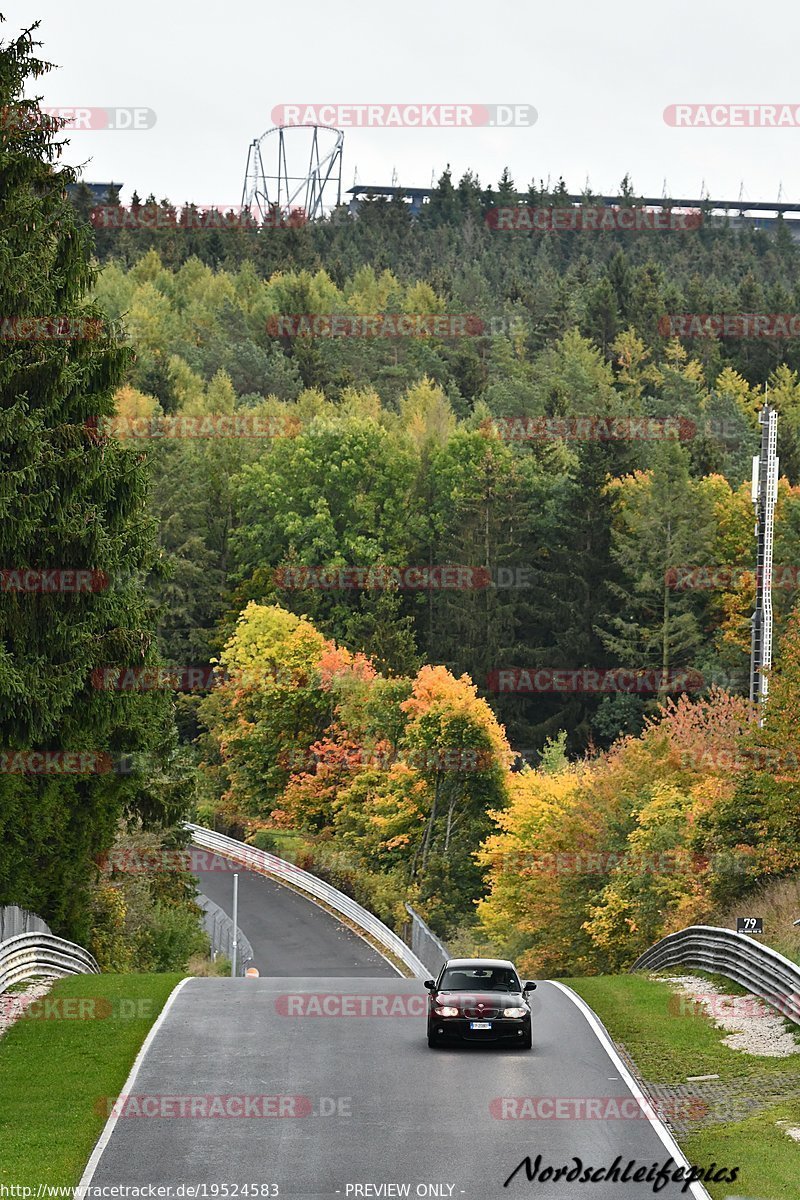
x=219 y=927
x=425 y=944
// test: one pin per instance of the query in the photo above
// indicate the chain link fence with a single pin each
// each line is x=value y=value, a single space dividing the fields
x=219 y=927
x=428 y=948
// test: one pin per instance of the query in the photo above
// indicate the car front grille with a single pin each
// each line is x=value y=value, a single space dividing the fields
x=480 y=1014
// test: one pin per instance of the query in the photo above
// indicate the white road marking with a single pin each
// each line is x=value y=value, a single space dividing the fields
x=108 y=1128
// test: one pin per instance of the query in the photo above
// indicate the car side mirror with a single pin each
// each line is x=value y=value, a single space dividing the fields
x=530 y=986
x=429 y=984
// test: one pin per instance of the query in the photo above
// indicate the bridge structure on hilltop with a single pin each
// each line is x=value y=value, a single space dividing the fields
x=741 y=214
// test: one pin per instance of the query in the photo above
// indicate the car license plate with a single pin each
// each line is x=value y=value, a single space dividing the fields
x=480 y=1024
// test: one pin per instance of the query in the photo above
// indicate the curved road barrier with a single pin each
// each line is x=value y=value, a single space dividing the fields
x=361 y=919
x=37 y=955
x=747 y=962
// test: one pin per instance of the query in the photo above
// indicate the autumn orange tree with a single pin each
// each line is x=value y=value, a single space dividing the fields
x=594 y=863
x=404 y=779
x=397 y=773
x=268 y=707
x=455 y=744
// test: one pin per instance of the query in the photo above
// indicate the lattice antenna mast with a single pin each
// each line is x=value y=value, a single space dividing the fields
x=764 y=494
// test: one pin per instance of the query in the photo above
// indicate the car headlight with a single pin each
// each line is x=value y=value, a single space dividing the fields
x=446 y=1011
x=514 y=1012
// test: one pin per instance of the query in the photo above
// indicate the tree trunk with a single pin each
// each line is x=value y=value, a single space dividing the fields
x=427 y=841
x=450 y=808
x=665 y=615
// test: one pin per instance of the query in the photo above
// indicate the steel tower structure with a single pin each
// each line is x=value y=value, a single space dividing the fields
x=764 y=493
x=318 y=146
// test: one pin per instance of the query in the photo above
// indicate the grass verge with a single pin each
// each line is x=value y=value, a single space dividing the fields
x=58 y=1066
x=668 y=1045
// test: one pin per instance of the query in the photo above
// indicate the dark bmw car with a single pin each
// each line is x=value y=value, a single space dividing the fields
x=479 y=1000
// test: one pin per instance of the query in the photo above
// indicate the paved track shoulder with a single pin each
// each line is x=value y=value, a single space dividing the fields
x=363 y=1099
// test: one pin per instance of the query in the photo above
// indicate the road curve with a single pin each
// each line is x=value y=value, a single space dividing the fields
x=289 y=934
x=369 y=1103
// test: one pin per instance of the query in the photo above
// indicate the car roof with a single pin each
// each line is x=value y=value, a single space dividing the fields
x=480 y=962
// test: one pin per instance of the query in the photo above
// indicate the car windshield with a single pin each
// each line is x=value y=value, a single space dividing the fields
x=479 y=979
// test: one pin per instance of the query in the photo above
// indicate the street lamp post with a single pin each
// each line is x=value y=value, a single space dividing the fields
x=235 y=923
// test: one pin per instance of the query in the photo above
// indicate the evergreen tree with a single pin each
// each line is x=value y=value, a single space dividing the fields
x=663 y=521
x=71 y=500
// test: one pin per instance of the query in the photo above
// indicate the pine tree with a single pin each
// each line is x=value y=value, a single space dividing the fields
x=663 y=520
x=71 y=499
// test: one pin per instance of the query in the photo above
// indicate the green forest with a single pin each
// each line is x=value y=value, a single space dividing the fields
x=331 y=551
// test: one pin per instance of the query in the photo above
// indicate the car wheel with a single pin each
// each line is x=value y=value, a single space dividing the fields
x=527 y=1042
x=432 y=1042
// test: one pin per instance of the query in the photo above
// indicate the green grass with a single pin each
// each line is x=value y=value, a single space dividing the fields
x=288 y=842
x=768 y=1159
x=57 y=1071
x=667 y=1046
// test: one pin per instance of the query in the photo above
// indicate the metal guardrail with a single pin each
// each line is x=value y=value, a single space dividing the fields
x=219 y=927
x=14 y=920
x=762 y=970
x=426 y=945
x=278 y=868
x=37 y=955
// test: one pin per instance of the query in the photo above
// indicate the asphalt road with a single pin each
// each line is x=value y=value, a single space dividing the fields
x=369 y=1103
x=289 y=934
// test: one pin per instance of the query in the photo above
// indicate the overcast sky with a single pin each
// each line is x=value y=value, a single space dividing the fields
x=599 y=75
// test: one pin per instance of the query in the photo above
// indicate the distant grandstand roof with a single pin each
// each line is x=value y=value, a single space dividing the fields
x=390 y=190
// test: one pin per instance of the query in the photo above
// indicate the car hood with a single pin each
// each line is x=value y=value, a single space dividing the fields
x=486 y=999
